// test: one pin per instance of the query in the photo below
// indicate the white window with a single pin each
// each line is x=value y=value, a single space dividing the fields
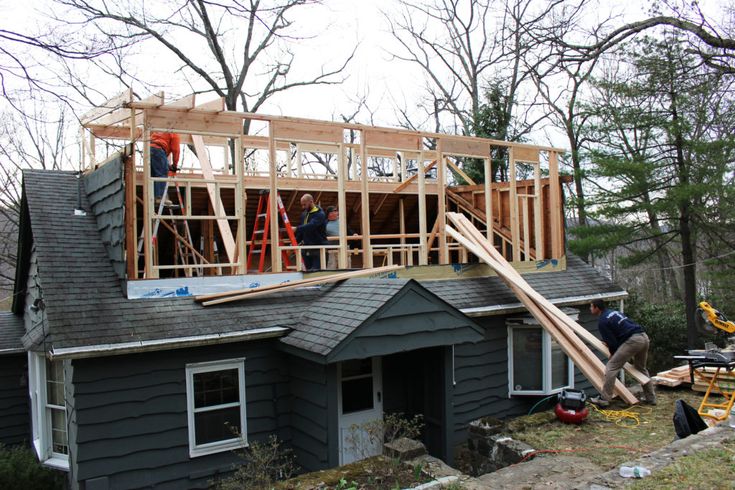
x=215 y=396
x=48 y=407
x=536 y=363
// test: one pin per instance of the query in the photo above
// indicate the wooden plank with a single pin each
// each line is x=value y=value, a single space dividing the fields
x=209 y=300
x=187 y=102
x=131 y=229
x=294 y=131
x=537 y=214
x=117 y=101
x=526 y=229
x=367 y=253
x=460 y=172
x=342 y=206
x=555 y=210
x=442 y=206
x=583 y=358
x=526 y=154
x=513 y=202
x=276 y=260
x=421 y=174
x=469 y=147
x=148 y=195
x=488 y=199
x=217 y=105
x=408 y=181
x=544 y=303
x=381 y=138
x=201 y=123
x=240 y=206
x=224 y=226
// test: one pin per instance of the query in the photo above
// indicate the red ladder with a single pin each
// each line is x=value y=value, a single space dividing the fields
x=259 y=238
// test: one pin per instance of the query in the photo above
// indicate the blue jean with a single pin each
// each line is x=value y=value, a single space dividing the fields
x=312 y=259
x=159 y=168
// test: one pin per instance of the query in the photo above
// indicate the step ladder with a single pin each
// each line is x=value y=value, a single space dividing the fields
x=185 y=254
x=717 y=385
x=261 y=228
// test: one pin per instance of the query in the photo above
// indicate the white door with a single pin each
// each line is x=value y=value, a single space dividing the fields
x=360 y=405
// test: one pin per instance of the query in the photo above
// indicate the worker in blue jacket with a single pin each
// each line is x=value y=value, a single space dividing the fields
x=311 y=231
x=627 y=341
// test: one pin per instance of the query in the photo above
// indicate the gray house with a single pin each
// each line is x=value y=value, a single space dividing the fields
x=131 y=393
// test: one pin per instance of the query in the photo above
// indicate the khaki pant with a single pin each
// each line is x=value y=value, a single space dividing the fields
x=634 y=349
x=333 y=259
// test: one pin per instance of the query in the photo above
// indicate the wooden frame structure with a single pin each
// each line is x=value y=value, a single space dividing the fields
x=395 y=182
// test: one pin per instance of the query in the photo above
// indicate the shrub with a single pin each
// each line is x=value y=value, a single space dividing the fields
x=264 y=464
x=19 y=469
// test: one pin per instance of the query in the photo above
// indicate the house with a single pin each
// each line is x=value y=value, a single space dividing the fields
x=128 y=392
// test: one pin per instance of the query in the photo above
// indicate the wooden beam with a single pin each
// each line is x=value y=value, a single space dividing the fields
x=513 y=202
x=342 y=206
x=240 y=206
x=555 y=208
x=224 y=226
x=217 y=105
x=367 y=253
x=488 y=200
x=538 y=230
x=460 y=172
x=408 y=181
x=441 y=207
x=421 y=173
x=187 y=102
x=131 y=228
x=219 y=298
x=148 y=195
x=273 y=202
x=118 y=101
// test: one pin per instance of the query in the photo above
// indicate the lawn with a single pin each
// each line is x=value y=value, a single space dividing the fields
x=606 y=441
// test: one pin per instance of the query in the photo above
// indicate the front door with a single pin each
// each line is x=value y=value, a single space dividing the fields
x=360 y=409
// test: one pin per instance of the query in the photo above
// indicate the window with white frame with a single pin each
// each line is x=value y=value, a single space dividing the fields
x=536 y=363
x=215 y=395
x=48 y=410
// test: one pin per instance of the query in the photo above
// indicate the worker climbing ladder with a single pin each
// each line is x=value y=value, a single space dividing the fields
x=186 y=251
x=261 y=227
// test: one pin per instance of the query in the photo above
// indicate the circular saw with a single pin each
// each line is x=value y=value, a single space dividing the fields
x=713 y=318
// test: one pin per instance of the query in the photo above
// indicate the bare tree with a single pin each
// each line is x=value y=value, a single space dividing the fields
x=239 y=50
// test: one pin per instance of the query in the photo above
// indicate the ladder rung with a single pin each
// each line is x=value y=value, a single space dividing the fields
x=262 y=215
x=254 y=251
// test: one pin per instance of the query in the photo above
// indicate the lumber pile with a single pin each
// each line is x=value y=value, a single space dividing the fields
x=565 y=331
x=240 y=294
x=703 y=376
x=673 y=377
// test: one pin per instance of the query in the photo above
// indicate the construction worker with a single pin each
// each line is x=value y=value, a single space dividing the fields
x=333 y=230
x=311 y=231
x=163 y=145
x=627 y=341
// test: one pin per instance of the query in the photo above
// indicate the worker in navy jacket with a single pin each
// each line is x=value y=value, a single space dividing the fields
x=311 y=231
x=627 y=341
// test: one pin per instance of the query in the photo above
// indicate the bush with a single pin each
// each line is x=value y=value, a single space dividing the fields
x=19 y=469
x=265 y=463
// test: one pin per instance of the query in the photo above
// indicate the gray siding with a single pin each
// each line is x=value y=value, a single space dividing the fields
x=106 y=193
x=14 y=407
x=131 y=415
x=310 y=412
x=36 y=321
x=481 y=375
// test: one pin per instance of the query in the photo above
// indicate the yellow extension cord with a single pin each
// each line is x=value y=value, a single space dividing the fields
x=627 y=418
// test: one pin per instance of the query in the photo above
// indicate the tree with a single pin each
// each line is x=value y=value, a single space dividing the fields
x=242 y=51
x=662 y=149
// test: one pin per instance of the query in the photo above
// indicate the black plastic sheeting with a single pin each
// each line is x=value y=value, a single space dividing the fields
x=686 y=420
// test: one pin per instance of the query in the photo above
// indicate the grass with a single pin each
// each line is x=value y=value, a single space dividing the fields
x=602 y=440
x=713 y=468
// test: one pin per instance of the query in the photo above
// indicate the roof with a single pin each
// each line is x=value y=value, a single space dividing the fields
x=577 y=284
x=87 y=310
x=84 y=301
x=11 y=330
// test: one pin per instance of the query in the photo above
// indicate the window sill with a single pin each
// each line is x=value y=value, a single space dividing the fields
x=57 y=463
x=214 y=448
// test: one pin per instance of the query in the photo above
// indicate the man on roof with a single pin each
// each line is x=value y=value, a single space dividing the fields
x=163 y=145
x=311 y=231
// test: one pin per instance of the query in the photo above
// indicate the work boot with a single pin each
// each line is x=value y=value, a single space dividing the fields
x=599 y=401
x=649 y=394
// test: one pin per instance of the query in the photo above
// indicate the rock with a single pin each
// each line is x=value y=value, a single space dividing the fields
x=404 y=449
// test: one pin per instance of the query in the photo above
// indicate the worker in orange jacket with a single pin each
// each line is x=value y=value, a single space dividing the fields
x=163 y=144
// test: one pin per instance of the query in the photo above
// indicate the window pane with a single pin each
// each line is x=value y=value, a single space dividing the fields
x=59 y=439
x=356 y=367
x=357 y=394
x=527 y=359
x=217 y=425
x=216 y=388
x=559 y=366
x=55 y=393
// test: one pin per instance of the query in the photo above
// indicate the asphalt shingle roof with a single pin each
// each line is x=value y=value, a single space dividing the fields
x=339 y=311
x=11 y=330
x=83 y=298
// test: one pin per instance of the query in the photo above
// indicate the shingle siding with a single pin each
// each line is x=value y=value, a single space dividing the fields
x=14 y=409
x=132 y=422
x=106 y=194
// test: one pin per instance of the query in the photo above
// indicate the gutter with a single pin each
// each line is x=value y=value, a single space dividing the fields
x=18 y=350
x=165 y=344
x=518 y=307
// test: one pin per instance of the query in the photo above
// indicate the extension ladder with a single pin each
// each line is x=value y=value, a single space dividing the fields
x=261 y=227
